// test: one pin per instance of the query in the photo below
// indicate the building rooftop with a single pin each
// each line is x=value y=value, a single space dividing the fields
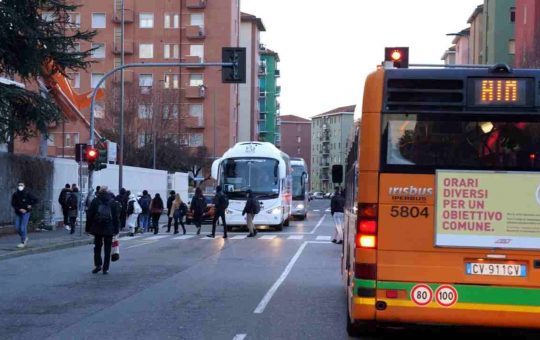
x=293 y=119
x=251 y=18
x=477 y=11
x=343 y=109
x=267 y=51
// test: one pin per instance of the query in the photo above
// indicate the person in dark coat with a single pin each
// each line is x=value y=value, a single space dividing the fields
x=62 y=199
x=251 y=210
x=22 y=202
x=103 y=222
x=197 y=207
x=170 y=201
x=72 y=203
x=337 y=209
x=123 y=198
x=156 y=209
x=221 y=203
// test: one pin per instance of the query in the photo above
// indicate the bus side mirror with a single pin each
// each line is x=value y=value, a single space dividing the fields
x=337 y=173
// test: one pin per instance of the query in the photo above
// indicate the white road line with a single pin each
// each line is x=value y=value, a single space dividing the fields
x=210 y=238
x=158 y=237
x=316 y=210
x=324 y=238
x=239 y=337
x=127 y=238
x=267 y=237
x=140 y=244
x=295 y=237
x=318 y=224
x=266 y=299
x=239 y=237
x=184 y=237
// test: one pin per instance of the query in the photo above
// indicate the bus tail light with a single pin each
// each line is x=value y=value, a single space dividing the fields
x=365 y=271
x=366 y=233
x=366 y=241
x=367 y=227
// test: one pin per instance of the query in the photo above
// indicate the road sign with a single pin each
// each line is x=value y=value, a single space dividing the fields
x=446 y=295
x=421 y=294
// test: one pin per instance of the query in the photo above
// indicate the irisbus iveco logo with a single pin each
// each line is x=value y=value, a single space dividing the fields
x=410 y=193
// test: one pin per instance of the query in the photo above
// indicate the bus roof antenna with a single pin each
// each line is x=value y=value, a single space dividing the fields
x=500 y=68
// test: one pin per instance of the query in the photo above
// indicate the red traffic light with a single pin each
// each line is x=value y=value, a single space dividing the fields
x=398 y=55
x=91 y=155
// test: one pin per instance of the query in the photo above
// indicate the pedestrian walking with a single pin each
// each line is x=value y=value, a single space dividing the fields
x=104 y=222
x=72 y=203
x=133 y=211
x=22 y=201
x=337 y=206
x=144 y=202
x=156 y=209
x=251 y=209
x=123 y=198
x=197 y=207
x=221 y=202
x=178 y=211
x=170 y=212
x=62 y=200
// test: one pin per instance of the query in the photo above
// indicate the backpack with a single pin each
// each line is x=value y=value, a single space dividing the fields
x=222 y=202
x=71 y=201
x=200 y=204
x=256 y=206
x=104 y=213
x=144 y=202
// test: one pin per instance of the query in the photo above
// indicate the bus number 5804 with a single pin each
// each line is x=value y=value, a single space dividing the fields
x=406 y=211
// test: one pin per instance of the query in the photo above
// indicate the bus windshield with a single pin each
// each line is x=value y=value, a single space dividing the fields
x=457 y=141
x=299 y=184
x=261 y=175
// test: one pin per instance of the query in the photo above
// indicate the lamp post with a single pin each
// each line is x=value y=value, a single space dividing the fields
x=122 y=94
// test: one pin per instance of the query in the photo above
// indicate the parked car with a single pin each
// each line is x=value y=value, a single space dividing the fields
x=208 y=213
x=318 y=195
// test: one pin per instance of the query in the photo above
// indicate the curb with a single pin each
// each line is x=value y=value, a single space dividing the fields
x=51 y=247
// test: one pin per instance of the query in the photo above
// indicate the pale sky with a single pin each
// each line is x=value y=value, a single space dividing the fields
x=327 y=47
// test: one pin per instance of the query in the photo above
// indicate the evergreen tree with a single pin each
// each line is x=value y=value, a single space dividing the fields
x=29 y=40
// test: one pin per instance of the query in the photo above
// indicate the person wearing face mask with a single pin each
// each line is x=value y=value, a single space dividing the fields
x=22 y=202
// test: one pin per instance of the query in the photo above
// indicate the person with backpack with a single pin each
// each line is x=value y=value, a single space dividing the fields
x=170 y=213
x=197 y=207
x=178 y=211
x=251 y=209
x=72 y=203
x=133 y=211
x=144 y=202
x=221 y=202
x=156 y=209
x=22 y=202
x=62 y=200
x=103 y=222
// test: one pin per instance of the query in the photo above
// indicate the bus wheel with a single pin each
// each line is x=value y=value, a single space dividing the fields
x=286 y=223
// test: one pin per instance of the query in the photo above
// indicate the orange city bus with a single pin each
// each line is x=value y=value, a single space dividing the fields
x=442 y=222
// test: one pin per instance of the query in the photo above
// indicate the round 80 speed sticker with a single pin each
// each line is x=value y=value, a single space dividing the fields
x=446 y=295
x=421 y=294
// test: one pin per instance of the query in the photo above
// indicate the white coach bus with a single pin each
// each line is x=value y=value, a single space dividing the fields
x=299 y=188
x=266 y=171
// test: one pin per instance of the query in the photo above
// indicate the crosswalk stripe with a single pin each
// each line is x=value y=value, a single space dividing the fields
x=324 y=238
x=157 y=237
x=127 y=238
x=239 y=237
x=295 y=237
x=184 y=237
x=267 y=237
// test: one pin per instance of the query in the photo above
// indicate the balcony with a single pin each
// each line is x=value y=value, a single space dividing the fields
x=277 y=73
x=128 y=46
x=128 y=77
x=262 y=126
x=325 y=150
x=278 y=90
x=196 y=92
x=262 y=70
x=129 y=15
x=193 y=59
x=196 y=4
x=324 y=164
x=262 y=94
x=195 y=32
x=194 y=123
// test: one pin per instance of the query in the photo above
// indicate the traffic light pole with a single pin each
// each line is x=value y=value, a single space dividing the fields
x=91 y=142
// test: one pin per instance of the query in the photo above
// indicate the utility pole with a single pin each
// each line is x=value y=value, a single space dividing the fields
x=122 y=94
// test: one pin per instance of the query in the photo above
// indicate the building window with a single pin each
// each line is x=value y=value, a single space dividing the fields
x=99 y=111
x=145 y=82
x=196 y=80
x=511 y=46
x=99 y=20
x=146 y=20
x=172 y=20
x=298 y=151
x=197 y=50
x=75 y=80
x=172 y=81
x=512 y=14
x=196 y=139
x=197 y=19
x=171 y=51
x=145 y=111
x=299 y=139
x=143 y=139
x=146 y=51
x=170 y=111
x=50 y=140
x=98 y=50
x=196 y=110
x=74 y=20
x=95 y=78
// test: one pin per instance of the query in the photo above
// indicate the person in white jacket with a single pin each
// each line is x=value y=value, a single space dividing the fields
x=133 y=211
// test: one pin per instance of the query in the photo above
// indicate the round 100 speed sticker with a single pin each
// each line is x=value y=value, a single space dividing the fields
x=421 y=294
x=446 y=295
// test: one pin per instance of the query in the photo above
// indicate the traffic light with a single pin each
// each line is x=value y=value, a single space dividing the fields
x=102 y=157
x=80 y=152
x=398 y=55
x=237 y=72
x=91 y=155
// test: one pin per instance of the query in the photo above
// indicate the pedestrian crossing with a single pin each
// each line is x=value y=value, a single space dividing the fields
x=260 y=236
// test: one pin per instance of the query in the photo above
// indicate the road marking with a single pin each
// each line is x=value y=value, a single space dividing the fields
x=239 y=337
x=141 y=244
x=316 y=210
x=295 y=237
x=266 y=299
x=184 y=237
x=328 y=210
x=267 y=237
x=157 y=237
x=318 y=224
x=324 y=238
x=127 y=238
x=239 y=237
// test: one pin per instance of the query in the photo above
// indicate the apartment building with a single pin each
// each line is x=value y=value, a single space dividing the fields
x=269 y=92
x=296 y=137
x=527 y=31
x=329 y=134
x=189 y=105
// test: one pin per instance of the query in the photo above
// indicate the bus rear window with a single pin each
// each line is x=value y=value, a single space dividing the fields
x=458 y=141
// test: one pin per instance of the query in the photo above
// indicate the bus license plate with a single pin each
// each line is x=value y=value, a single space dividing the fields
x=496 y=269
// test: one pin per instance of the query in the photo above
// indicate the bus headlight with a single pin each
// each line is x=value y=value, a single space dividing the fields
x=300 y=206
x=274 y=211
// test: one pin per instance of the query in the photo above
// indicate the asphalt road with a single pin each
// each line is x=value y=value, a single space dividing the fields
x=280 y=285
